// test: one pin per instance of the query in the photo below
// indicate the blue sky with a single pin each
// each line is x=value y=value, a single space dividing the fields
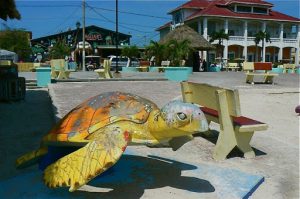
x=50 y=17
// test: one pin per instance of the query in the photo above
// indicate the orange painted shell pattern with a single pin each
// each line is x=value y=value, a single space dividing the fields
x=100 y=111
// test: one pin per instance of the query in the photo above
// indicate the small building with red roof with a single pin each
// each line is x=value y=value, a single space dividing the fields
x=241 y=20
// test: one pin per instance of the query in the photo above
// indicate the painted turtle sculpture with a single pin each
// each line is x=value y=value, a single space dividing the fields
x=102 y=127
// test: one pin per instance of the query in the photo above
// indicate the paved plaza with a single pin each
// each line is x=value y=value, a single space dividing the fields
x=22 y=124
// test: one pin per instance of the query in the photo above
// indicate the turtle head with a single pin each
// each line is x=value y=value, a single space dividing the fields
x=181 y=119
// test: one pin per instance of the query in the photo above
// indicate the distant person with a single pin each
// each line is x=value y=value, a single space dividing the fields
x=204 y=65
x=200 y=65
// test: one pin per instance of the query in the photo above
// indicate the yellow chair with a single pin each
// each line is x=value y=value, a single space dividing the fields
x=105 y=71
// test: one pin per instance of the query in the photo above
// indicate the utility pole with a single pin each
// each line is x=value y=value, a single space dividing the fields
x=117 y=37
x=83 y=35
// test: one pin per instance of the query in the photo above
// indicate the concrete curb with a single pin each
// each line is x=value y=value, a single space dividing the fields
x=113 y=80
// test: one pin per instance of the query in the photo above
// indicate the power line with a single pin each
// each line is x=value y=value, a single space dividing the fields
x=111 y=21
x=66 y=19
x=48 y=6
x=100 y=8
x=124 y=23
x=145 y=38
x=132 y=13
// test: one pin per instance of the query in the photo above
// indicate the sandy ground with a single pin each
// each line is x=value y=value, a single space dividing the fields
x=277 y=149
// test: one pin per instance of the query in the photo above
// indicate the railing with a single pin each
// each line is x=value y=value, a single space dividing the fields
x=250 y=38
x=275 y=39
x=236 y=38
x=289 y=40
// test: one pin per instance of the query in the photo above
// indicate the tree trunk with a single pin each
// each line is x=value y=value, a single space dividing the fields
x=262 y=50
x=256 y=53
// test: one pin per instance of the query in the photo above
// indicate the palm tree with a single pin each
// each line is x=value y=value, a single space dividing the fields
x=220 y=36
x=8 y=10
x=60 y=50
x=178 y=50
x=130 y=52
x=157 y=50
x=261 y=36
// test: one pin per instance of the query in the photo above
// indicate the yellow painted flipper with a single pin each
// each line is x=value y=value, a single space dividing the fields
x=81 y=166
x=30 y=158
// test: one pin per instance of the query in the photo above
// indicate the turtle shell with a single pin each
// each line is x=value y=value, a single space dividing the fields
x=100 y=111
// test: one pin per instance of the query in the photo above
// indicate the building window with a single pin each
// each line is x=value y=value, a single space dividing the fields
x=268 y=57
x=211 y=57
x=250 y=57
x=259 y=10
x=177 y=18
x=243 y=9
x=231 y=32
x=231 y=55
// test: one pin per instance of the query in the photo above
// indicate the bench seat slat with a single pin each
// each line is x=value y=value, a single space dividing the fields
x=238 y=121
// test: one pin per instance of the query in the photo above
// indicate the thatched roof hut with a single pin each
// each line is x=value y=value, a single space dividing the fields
x=184 y=32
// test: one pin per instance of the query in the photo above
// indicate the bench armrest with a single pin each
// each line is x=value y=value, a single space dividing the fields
x=250 y=128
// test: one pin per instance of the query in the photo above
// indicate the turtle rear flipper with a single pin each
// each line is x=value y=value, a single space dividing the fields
x=30 y=158
x=78 y=168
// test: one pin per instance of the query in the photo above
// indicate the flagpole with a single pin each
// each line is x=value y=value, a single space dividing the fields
x=117 y=37
x=83 y=35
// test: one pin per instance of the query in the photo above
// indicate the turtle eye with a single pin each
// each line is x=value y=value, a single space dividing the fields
x=181 y=116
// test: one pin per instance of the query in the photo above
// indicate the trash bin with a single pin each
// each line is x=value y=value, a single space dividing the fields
x=43 y=76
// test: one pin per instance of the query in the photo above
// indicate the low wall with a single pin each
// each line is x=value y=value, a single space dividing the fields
x=27 y=66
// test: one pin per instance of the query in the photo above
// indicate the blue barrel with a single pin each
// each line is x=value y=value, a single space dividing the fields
x=177 y=74
x=43 y=76
x=277 y=70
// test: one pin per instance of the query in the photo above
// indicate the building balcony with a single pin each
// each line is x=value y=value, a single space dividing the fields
x=236 y=38
x=288 y=40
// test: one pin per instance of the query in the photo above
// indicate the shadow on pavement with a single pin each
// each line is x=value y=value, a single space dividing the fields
x=129 y=178
x=22 y=125
x=213 y=137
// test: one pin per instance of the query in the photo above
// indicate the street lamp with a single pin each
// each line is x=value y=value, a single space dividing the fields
x=83 y=35
x=117 y=36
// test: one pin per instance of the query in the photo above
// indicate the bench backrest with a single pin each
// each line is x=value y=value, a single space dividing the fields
x=25 y=66
x=182 y=62
x=144 y=63
x=206 y=95
x=247 y=66
x=165 y=63
x=289 y=66
x=57 y=64
x=106 y=65
x=262 y=65
x=232 y=64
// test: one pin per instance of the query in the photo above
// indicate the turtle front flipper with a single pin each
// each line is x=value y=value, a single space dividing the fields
x=81 y=166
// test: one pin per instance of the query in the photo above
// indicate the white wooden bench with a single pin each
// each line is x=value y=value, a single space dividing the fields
x=59 y=69
x=265 y=67
x=287 y=67
x=144 y=66
x=105 y=71
x=232 y=66
x=163 y=64
x=222 y=105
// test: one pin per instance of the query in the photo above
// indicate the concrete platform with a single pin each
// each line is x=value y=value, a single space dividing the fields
x=22 y=125
x=134 y=174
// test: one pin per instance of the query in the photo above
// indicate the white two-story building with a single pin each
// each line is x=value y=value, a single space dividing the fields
x=241 y=19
